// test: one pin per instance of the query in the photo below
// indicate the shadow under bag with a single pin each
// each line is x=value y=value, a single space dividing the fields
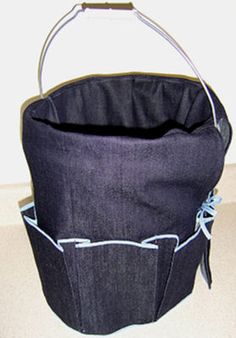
x=123 y=169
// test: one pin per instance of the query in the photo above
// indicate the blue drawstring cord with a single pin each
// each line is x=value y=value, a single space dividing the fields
x=207 y=213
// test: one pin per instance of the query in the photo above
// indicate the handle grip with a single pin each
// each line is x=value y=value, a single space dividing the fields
x=105 y=5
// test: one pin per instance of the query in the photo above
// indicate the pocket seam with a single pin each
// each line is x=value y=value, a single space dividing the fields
x=166 y=286
x=76 y=309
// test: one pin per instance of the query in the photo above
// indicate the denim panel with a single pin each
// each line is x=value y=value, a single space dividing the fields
x=205 y=262
x=92 y=179
x=54 y=278
x=100 y=289
x=183 y=272
x=103 y=187
x=165 y=261
x=118 y=286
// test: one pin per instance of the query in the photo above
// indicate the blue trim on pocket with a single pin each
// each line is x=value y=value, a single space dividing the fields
x=205 y=214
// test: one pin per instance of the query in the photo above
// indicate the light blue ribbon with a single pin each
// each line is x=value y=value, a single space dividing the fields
x=207 y=213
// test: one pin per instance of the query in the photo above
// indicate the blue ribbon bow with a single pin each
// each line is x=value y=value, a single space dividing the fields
x=206 y=213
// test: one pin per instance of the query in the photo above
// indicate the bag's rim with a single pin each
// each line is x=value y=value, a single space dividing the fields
x=54 y=90
x=102 y=76
x=37 y=101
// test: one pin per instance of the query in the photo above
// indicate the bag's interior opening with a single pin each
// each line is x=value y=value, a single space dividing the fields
x=136 y=105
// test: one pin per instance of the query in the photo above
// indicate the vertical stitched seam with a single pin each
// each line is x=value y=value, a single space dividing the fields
x=53 y=106
x=167 y=284
x=191 y=106
x=77 y=312
x=79 y=293
x=75 y=269
x=156 y=289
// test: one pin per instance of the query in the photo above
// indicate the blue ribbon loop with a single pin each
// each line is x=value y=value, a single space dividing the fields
x=206 y=213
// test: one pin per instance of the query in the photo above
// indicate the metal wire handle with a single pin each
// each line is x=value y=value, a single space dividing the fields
x=142 y=17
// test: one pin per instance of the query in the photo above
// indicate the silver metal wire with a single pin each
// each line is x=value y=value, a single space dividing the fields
x=143 y=18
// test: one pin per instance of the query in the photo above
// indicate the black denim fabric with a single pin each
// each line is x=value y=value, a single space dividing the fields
x=182 y=275
x=122 y=157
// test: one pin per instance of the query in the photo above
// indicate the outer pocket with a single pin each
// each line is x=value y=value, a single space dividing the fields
x=50 y=261
x=100 y=287
x=97 y=287
x=186 y=260
x=118 y=284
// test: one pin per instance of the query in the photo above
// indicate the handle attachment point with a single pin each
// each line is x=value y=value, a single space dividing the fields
x=108 y=5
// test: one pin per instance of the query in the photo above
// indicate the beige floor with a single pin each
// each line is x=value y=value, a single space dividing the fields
x=24 y=312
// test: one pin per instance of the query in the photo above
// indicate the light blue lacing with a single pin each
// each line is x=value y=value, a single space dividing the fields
x=207 y=213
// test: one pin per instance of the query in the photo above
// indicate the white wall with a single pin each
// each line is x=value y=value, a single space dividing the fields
x=101 y=42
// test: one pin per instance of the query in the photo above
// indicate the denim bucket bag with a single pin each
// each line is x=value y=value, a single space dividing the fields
x=124 y=169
